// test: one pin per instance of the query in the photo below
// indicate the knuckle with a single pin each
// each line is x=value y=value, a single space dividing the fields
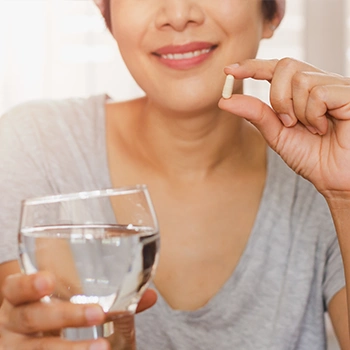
x=319 y=93
x=66 y=314
x=245 y=61
x=15 y=285
x=25 y=321
x=4 y=317
x=301 y=80
x=279 y=102
x=67 y=311
x=6 y=286
x=342 y=80
x=287 y=63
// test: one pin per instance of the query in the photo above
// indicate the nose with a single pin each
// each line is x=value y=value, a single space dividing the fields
x=179 y=14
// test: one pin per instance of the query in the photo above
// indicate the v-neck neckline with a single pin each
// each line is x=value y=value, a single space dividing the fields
x=232 y=283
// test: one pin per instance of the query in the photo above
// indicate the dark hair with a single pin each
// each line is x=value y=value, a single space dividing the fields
x=269 y=8
x=107 y=14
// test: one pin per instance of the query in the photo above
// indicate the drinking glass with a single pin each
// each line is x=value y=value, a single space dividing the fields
x=102 y=247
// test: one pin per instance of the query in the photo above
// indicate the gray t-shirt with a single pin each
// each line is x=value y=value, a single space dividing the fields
x=289 y=271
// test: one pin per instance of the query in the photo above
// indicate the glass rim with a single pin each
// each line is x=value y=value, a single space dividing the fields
x=85 y=194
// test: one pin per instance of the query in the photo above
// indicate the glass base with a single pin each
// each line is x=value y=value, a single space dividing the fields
x=120 y=332
x=85 y=333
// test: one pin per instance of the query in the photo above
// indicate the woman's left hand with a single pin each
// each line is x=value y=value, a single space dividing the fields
x=309 y=122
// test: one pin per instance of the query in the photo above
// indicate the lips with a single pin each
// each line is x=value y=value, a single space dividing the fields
x=184 y=56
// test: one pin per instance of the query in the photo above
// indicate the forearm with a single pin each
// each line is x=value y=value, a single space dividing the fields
x=340 y=210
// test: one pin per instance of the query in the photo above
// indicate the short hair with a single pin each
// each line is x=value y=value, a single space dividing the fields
x=269 y=8
x=106 y=13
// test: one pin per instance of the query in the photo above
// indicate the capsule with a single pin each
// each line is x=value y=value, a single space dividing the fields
x=228 y=87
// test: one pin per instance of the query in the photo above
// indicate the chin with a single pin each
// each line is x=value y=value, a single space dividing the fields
x=194 y=106
x=193 y=100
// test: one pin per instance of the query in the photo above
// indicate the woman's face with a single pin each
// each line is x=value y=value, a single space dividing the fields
x=176 y=49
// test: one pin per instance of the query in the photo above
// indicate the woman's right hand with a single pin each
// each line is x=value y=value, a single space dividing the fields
x=27 y=323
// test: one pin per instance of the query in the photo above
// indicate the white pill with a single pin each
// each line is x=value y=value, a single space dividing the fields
x=228 y=87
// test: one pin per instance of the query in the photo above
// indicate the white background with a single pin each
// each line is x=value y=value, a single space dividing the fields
x=60 y=48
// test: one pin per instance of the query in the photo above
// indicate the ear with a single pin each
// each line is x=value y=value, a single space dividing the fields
x=271 y=25
x=269 y=28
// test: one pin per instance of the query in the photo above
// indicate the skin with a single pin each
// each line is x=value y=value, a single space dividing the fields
x=211 y=151
x=205 y=144
x=308 y=125
x=20 y=320
x=155 y=25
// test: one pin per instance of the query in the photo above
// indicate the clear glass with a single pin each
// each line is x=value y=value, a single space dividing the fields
x=102 y=246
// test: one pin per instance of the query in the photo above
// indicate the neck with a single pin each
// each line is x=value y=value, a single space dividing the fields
x=194 y=146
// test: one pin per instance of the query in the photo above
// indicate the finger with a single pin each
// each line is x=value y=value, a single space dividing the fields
x=332 y=100
x=256 y=112
x=279 y=73
x=42 y=317
x=281 y=94
x=148 y=299
x=253 y=68
x=20 y=288
x=302 y=84
x=61 y=344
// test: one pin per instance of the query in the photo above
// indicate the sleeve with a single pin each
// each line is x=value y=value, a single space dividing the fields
x=334 y=278
x=22 y=174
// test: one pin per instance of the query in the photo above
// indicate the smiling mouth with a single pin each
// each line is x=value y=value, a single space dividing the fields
x=185 y=55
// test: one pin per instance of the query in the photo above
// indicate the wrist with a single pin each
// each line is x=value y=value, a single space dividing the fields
x=338 y=200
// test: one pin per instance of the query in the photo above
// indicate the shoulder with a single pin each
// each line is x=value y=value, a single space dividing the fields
x=51 y=128
x=46 y=113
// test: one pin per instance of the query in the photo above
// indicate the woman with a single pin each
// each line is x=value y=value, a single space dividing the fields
x=250 y=258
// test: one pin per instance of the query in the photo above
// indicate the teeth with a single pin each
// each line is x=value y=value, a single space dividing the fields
x=186 y=55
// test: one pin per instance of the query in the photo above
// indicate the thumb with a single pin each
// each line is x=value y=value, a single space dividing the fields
x=256 y=112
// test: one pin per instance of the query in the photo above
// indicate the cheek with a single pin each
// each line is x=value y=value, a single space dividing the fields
x=127 y=18
x=241 y=18
x=243 y=37
x=128 y=37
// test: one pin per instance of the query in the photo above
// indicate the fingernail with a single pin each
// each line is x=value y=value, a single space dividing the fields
x=322 y=127
x=93 y=314
x=99 y=345
x=286 y=119
x=42 y=283
x=235 y=65
x=321 y=133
